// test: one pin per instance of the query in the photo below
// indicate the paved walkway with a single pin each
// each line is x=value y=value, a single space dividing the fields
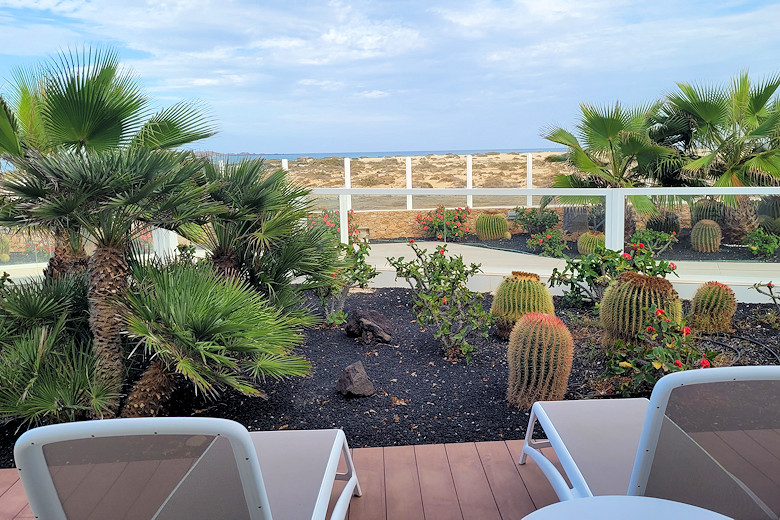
x=496 y=264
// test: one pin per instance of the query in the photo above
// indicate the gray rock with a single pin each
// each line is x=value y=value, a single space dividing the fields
x=369 y=326
x=354 y=381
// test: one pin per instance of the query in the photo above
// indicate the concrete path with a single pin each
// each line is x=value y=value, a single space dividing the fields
x=496 y=264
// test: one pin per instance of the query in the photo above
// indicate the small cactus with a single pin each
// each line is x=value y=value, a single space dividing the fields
x=705 y=236
x=666 y=222
x=589 y=242
x=517 y=295
x=626 y=300
x=491 y=226
x=707 y=209
x=712 y=308
x=539 y=357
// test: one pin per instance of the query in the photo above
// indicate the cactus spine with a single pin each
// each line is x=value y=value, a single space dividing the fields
x=626 y=300
x=666 y=222
x=589 y=242
x=517 y=295
x=712 y=308
x=491 y=226
x=539 y=357
x=707 y=209
x=705 y=236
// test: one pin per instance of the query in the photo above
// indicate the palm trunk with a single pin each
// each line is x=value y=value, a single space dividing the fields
x=150 y=393
x=108 y=273
x=65 y=260
x=225 y=263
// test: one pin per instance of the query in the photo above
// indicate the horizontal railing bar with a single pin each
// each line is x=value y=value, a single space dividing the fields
x=592 y=192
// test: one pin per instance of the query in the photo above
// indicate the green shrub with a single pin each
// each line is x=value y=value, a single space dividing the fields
x=539 y=356
x=762 y=243
x=5 y=245
x=769 y=224
x=712 y=308
x=491 y=226
x=358 y=273
x=589 y=242
x=655 y=241
x=516 y=296
x=535 y=220
x=549 y=243
x=442 y=298
x=706 y=236
x=444 y=224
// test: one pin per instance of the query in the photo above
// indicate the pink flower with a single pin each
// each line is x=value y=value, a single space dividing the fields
x=659 y=312
x=425 y=227
x=671 y=264
x=677 y=363
x=704 y=363
x=626 y=256
x=686 y=331
x=548 y=236
x=650 y=329
x=439 y=235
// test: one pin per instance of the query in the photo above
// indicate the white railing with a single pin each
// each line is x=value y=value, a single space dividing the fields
x=614 y=200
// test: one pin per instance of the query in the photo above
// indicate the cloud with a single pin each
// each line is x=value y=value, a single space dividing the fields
x=323 y=84
x=372 y=94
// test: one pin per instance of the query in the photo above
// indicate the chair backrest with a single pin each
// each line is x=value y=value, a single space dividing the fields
x=161 y=468
x=711 y=438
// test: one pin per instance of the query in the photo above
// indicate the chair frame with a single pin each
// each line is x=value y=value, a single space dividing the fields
x=45 y=502
x=648 y=440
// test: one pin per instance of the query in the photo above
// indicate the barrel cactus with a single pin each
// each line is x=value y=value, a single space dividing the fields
x=492 y=226
x=539 y=357
x=517 y=295
x=626 y=301
x=705 y=236
x=666 y=222
x=712 y=308
x=589 y=242
x=707 y=209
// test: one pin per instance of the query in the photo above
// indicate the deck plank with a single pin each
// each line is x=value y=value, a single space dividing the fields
x=508 y=487
x=542 y=493
x=471 y=484
x=7 y=479
x=369 y=465
x=13 y=501
x=402 y=484
x=440 y=499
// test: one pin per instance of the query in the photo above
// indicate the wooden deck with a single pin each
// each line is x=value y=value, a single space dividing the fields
x=434 y=481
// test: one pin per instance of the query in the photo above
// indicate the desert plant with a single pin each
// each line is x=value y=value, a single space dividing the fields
x=539 y=357
x=762 y=243
x=442 y=298
x=712 y=307
x=444 y=224
x=707 y=208
x=491 y=226
x=357 y=273
x=516 y=296
x=589 y=242
x=535 y=220
x=769 y=224
x=666 y=222
x=739 y=220
x=549 y=243
x=5 y=248
x=214 y=331
x=769 y=206
x=623 y=307
x=705 y=236
x=655 y=241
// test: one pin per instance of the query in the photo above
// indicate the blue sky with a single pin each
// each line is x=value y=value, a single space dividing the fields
x=305 y=76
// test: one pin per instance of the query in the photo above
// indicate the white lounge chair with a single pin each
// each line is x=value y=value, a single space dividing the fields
x=182 y=467
x=709 y=438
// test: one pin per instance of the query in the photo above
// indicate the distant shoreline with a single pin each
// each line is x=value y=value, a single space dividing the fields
x=368 y=155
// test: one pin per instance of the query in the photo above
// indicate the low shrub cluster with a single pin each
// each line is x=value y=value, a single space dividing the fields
x=444 y=224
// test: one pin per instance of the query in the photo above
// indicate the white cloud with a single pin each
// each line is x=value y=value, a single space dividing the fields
x=323 y=84
x=372 y=94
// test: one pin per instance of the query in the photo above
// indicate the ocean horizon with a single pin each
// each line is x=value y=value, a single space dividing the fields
x=359 y=155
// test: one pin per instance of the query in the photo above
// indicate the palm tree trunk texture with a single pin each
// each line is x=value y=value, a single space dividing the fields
x=225 y=263
x=64 y=260
x=149 y=393
x=108 y=273
x=739 y=221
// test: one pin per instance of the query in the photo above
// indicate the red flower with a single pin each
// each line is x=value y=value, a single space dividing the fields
x=677 y=363
x=704 y=363
x=769 y=285
x=640 y=245
x=626 y=256
x=540 y=240
x=444 y=300
x=686 y=331
x=659 y=312
x=439 y=235
x=671 y=264
x=548 y=236
x=411 y=240
x=430 y=219
x=441 y=251
x=674 y=232
x=650 y=329
x=425 y=227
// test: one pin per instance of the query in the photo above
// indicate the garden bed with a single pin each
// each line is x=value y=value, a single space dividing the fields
x=421 y=396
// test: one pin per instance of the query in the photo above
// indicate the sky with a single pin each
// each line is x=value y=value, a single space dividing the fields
x=294 y=76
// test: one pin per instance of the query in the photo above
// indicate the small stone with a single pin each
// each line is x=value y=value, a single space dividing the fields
x=369 y=326
x=354 y=381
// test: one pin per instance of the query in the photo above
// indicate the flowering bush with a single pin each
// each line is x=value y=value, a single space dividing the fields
x=357 y=273
x=549 y=242
x=144 y=242
x=654 y=241
x=330 y=219
x=444 y=224
x=442 y=299
x=40 y=250
x=761 y=243
x=768 y=289
x=535 y=220
x=662 y=346
x=585 y=278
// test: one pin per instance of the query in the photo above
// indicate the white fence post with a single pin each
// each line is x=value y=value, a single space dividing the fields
x=469 y=182
x=409 y=182
x=344 y=218
x=529 y=178
x=347 y=182
x=614 y=219
x=285 y=165
x=164 y=242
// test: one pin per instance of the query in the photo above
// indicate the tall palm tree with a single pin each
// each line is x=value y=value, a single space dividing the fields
x=732 y=135
x=84 y=100
x=110 y=195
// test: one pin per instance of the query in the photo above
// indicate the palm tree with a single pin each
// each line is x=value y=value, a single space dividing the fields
x=111 y=196
x=212 y=331
x=261 y=236
x=86 y=101
x=732 y=136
